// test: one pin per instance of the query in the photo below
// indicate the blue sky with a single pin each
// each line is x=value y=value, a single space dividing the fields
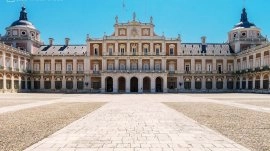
x=190 y=18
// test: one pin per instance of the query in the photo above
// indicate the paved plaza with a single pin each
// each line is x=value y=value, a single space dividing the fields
x=136 y=122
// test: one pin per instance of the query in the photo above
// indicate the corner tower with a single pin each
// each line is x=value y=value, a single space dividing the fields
x=22 y=34
x=245 y=34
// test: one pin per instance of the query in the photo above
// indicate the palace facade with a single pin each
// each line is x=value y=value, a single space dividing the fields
x=134 y=59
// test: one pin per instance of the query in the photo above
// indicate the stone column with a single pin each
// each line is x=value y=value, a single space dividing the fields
x=203 y=66
x=152 y=66
x=182 y=65
x=165 y=89
x=203 y=83
x=254 y=61
x=104 y=64
x=262 y=59
x=163 y=64
x=214 y=83
x=19 y=63
x=53 y=65
x=225 y=83
x=261 y=81
x=140 y=84
x=53 y=83
x=74 y=68
x=152 y=48
x=12 y=62
x=42 y=82
x=241 y=79
x=192 y=65
x=178 y=64
x=192 y=83
x=116 y=48
x=253 y=82
x=225 y=65
x=41 y=65
x=116 y=64
x=128 y=63
x=153 y=85
x=140 y=63
x=246 y=83
x=64 y=66
x=214 y=66
x=127 y=84
x=74 y=83
x=103 y=84
x=64 y=83
x=12 y=82
x=4 y=82
x=25 y=83
x=115 y=84
x=128 y=48
x=140 y=49
x=4 y=59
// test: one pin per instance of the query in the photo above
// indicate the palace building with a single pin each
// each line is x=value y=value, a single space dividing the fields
x=134 y=59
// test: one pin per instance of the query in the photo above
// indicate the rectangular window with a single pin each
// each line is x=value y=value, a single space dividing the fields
x=69 y=67
x=58 y=67
x=157 y=51
x=36 y=67
x=110 y=66
x=47 y=67
x=80 y=67
x=110 y=51
x=171 y=51
x=187 y=68
x=145 y=50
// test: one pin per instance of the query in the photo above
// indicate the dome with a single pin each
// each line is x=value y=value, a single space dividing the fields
x=23 y=23
x=244 y=23
x=23 y=20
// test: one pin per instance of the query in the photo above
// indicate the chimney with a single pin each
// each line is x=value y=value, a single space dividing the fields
x=203 y=38
x=51 y=41
x=67 y=41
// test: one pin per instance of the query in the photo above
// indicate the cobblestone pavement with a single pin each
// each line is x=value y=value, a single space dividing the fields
x=136 y=122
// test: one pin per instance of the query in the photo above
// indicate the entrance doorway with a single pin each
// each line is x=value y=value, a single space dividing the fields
x=134 y=84
x=146 y=84
x=109 y=84
x=122 y=84
x=159 y=84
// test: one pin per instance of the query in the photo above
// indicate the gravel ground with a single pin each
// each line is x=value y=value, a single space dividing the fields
x=248 y=128
x=258 y=103
x=20 y=129
x=12 y=102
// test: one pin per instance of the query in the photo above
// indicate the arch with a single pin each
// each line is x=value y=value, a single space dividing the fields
x=121 y=84
x=134 y=84
x=109 y=84
x=159 y=84
x=250 y=83
x=230 y=83
x=146 y=84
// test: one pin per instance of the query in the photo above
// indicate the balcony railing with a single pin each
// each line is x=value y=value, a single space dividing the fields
x=68 y=72
x=58 y=72
x=36 y=72
x=80 y=72
x=47 y=72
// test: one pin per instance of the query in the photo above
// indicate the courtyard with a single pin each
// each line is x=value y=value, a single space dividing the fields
x=131 y=122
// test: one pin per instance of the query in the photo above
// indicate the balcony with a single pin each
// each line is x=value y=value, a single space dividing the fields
x=80 y=72
x=96 y=72
x=36 y=72
x=69 y=72
x=58 y=72
x=47 y=72
x=171 y=72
